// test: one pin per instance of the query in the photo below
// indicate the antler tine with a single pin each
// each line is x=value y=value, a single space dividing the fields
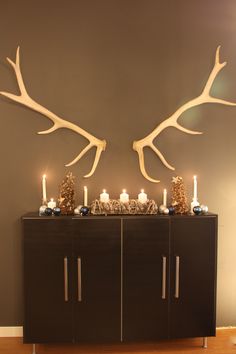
x=161 y=157
x=172 y=121
x=142 y=165
x=140 y=152
x=81 y=154
x=96 y=160
x=58 y=122
x=185 y=130
x=216 y=69
x=99 y=150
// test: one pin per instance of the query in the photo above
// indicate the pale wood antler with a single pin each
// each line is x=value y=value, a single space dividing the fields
x=172 y=121
x=59 y=123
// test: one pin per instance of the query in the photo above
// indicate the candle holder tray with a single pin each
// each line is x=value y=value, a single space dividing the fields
x=116 y=207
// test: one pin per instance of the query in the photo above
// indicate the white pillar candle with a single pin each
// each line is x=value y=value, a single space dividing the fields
x=142 y=197
x=52 y=204
x=124 y=197
x=104 y=197
x=195 y=188
x=164 y=197
x=85 y=196
x=44 y=189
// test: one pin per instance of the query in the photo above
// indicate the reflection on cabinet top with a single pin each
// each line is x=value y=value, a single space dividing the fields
x=34 y=215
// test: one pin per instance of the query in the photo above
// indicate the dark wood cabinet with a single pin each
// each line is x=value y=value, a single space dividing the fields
x=72 y=272
x=114 y=279
x=193 y=277
x=97 y=250
x=47 y=246
x=145 y=278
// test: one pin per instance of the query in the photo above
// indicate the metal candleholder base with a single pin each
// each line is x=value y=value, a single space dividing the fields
x=193 y=204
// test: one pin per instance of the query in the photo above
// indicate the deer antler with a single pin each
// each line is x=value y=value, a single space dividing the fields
x=59 y=123
x=172 y=121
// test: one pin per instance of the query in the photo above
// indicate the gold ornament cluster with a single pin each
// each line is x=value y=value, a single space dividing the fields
x=66 y=200
x=179 y=198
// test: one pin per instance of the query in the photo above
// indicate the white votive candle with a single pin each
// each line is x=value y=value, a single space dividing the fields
x=52 y=204
x=142 y=197
x=104 y=196
x=124 y=197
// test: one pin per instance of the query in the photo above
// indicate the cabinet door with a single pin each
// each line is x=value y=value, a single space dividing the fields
x=47 y=281
x=98 y=263
x=145 y=278
x=193 y=276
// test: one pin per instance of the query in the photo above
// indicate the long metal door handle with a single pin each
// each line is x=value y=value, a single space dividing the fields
x=177 y=264
x=65 y=279
x=163 y=293
x=79 y=279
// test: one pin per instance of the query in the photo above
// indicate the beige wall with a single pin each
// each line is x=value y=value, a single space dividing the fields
x=116 y=68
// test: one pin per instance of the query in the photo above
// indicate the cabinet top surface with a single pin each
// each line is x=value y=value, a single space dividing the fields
x=35 y=215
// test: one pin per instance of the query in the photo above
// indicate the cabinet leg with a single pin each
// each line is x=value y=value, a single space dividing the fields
x=34 y=349
x=204 y=343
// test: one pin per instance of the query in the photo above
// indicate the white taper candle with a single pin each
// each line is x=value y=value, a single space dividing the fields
x=44 y=190
x=85 y=196
x=195 y=188
x=164 y=197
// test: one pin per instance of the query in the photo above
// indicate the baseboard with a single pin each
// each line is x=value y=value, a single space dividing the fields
x=228 y=327
x=11 y=331
x=18 y=331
